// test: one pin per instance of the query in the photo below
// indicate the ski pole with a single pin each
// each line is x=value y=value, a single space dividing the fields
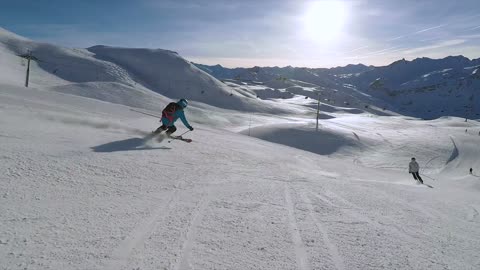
x=428 y=177
x=149 y=114
x=180 y=135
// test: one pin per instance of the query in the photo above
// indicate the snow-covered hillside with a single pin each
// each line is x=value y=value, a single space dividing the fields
x=85 y=186
x=159 y=74
x=82 y=189
x=425 y=88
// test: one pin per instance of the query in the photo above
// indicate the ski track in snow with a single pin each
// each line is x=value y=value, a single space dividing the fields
x=68 y=207
x=349 y=208
x=300 y=251
x=325 y=199
x=388 y=226
x=184 y=260
x=352 y=209
x=427 y=212
x=360 y=220
x=333 y=250
x=473 y=214
x=122 y=253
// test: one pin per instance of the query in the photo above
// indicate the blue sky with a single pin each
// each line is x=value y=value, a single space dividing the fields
x=322 y=33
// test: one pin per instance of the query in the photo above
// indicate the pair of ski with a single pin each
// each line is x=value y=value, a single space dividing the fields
x=418 y=182
x=161 y=137
x=180 y=138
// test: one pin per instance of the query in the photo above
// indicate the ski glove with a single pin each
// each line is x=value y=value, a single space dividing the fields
x=191 y=128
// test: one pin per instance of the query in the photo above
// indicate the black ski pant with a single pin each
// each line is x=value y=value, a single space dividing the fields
x=417 y=177
x=171 y=129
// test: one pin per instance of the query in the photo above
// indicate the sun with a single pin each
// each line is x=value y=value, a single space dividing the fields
x=324 y=20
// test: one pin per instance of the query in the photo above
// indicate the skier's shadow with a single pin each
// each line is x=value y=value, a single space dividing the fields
x=125 y=145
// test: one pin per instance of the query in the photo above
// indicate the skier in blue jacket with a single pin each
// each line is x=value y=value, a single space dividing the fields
x=170 y=114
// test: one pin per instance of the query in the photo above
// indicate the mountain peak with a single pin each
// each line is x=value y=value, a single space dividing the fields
x=4 y=33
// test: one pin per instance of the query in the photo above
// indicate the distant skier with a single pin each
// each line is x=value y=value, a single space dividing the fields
x=413 y=168
x=471 y=170
x=170 y=114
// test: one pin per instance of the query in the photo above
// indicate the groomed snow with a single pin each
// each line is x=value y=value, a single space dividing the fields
x=258 y=188
x=81 y=190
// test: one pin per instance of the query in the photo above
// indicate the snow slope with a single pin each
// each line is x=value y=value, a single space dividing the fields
x=167 y=73
x=258 y=188
x=110 y=69
x=82 y=190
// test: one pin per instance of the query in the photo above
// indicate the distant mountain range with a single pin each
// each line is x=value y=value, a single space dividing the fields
x=423 y=87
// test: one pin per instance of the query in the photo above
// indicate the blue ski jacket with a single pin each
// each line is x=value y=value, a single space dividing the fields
x=177 y=114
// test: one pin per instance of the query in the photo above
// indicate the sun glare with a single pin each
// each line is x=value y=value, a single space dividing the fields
x=324 y=20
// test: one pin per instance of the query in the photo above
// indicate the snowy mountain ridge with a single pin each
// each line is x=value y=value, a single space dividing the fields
x=160 y=73
x=442 y=87
x=451 y=82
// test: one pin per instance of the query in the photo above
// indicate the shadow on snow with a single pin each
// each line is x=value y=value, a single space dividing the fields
x=125 y=145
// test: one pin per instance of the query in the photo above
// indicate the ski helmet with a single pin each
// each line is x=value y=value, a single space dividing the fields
x=183 y=102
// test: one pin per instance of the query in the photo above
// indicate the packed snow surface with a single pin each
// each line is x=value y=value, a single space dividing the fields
x=82 y=189
x=84 y=186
